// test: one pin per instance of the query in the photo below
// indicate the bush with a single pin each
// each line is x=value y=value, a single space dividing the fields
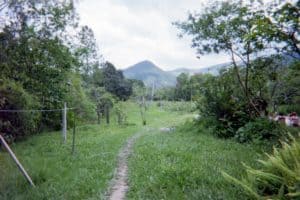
x=77 y=98
x=17 y=125
x=287 y=109
x=121 y=114
x=278 y=178
x=178 y=106
x=261 y=129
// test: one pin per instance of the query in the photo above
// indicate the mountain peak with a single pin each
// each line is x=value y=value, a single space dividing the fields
x=149 y=73
x=145 y=64
x=148 y=62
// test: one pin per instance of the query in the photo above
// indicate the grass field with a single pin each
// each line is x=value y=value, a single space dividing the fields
x=60 y=175
x=184 y=164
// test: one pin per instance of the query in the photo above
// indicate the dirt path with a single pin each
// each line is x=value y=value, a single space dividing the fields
x=119 y=185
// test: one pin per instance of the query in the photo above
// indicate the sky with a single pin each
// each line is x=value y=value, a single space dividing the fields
x=130 y=31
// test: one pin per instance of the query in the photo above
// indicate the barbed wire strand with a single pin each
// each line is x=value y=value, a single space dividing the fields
x=42 y=110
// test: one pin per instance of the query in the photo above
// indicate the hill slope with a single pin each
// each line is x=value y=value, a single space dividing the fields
x=150 y=74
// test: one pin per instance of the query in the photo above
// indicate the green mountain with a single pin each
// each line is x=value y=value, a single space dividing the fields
x=150 y=74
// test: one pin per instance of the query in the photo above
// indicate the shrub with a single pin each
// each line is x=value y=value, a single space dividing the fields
x=121 y=114
x=278 y=178
x=178 y=106
x=287 y=109
x=261 y=129
x=77 y=98
x=16 y=125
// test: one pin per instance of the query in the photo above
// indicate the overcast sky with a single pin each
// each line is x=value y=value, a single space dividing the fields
x=130 y=31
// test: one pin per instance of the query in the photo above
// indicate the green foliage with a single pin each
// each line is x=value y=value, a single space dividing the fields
x=78 y=99
x=183 y=87
x=289 y=92
x=122 y=116
x=279 y=24
x=35 y=56
x=260 y=130
x=166 y=94
x=277 y=178
x=14 y=97
x=53 y=60
x=243 y=29
x=87 y=52
x=115 y=83
x=138 y=88
x=287 y=109
x=221 y=104
x=178 y=106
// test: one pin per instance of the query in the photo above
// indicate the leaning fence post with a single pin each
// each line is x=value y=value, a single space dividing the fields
x=13 y=156
x=64 y=120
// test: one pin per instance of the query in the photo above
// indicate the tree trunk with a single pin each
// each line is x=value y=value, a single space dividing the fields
x=245 y=90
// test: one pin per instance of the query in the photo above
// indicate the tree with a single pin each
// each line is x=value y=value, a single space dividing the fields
x=183 y=87
x=36 y=53
x=87 y=52
x=231 y=27
x=115 y=83
x=138 y=87
x=279 y=25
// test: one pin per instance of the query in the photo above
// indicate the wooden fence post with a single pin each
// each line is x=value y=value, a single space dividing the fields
x=74 y=130
x=99 y=117
x=13 y=156
x=107 y=113
x=64 y=120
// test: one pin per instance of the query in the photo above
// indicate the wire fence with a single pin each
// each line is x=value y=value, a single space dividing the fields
x=42 y=110
x=62 y=110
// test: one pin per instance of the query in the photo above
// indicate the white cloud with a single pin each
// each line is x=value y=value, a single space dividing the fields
x=129 y=31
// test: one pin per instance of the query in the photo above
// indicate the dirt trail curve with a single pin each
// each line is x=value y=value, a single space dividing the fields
x=119 y=185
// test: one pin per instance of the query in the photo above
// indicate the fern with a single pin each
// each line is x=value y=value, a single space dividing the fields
x=279 y=176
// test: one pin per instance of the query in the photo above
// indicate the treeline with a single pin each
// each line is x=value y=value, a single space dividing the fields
x=46 y=59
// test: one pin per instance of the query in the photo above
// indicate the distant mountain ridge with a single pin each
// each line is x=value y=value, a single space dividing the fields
x=150 y=73
x=214 y=69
